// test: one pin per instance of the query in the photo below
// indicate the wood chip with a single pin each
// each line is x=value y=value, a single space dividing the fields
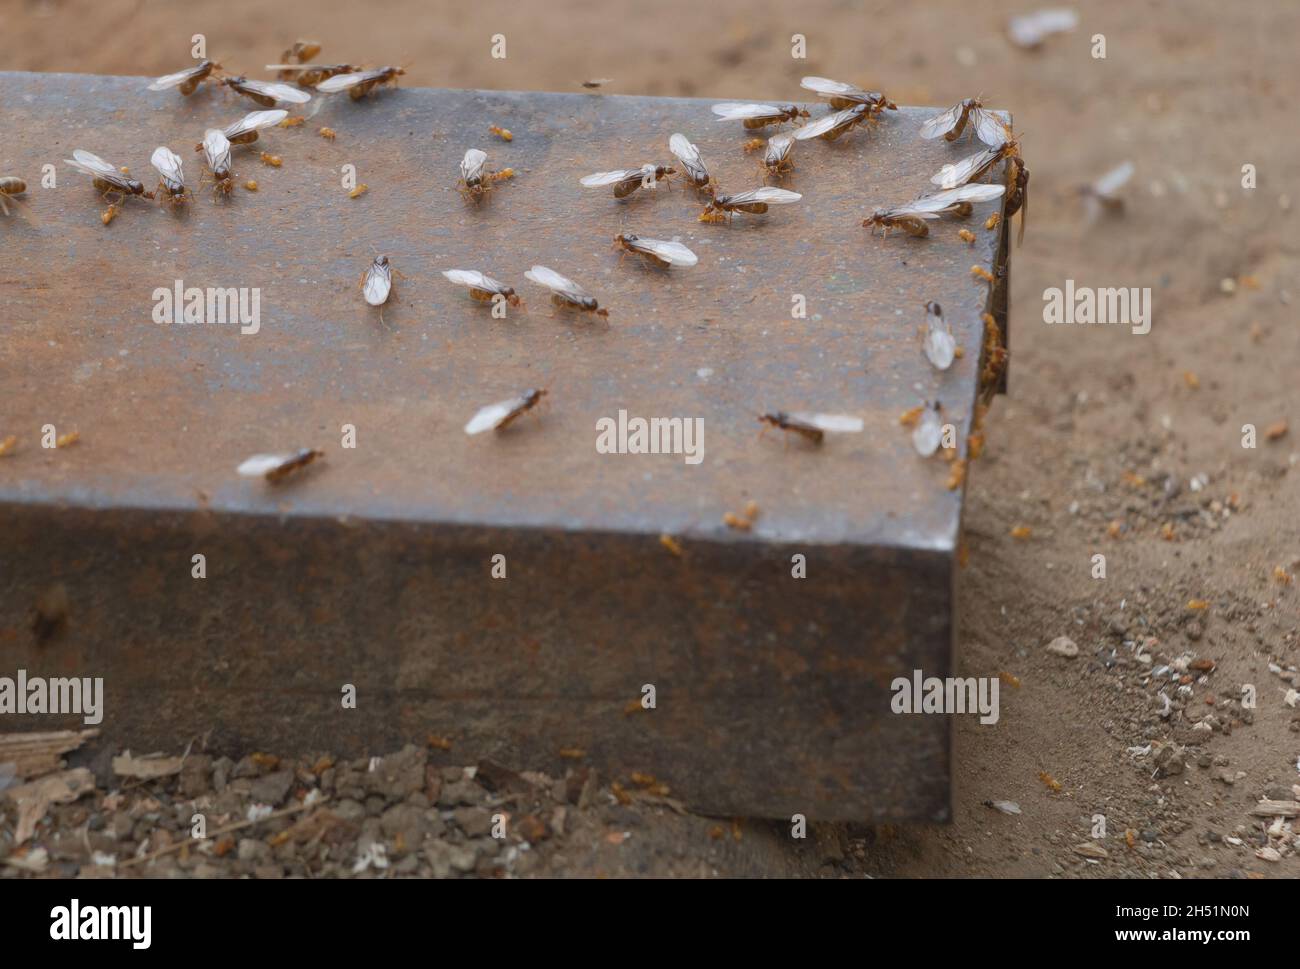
x=34 y=798
x=34 y=754
x=146 y=768
x=1276 y=809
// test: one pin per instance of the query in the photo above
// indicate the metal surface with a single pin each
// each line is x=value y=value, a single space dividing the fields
x=373 y=568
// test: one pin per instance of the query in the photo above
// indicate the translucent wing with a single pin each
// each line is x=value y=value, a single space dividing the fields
x=959 y=173
x=177 y=79
x=976 y=193
x=772 y=196
x=941 y=201
x=306 y=67
x=610 y=178
x=378 y=284
x=777 y=148
x=941 y=124
x=908 y=209
x=554 y=281
x=168 y=164
x=255 y=121
x=989 y=128
x=835 y=423
x=823 y=125
x=671 y=252
x=341 y=82
x=259 y=464
x=471 y=166
x=472 y=278
x=1032 y=29
x=840 y=91
x=493 y=414
x=92 y=165
x=281 y=92
x=928 y=433
x=732 y=111
x=683 y=149
x=689 y=156
x=940 y=345
x=1113 y=180
x=827 y=88
x=216 y=146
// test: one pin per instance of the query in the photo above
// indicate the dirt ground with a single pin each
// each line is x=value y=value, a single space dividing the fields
x=1108 y=442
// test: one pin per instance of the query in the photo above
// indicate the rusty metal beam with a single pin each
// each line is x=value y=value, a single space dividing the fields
x=374 y=568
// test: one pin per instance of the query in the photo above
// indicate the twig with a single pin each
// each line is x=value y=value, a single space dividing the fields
x=237 y=826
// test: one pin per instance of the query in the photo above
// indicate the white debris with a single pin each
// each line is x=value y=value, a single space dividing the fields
x=1006 y=807
x=1031 y=29
x=375 y=855
x=1063 y=646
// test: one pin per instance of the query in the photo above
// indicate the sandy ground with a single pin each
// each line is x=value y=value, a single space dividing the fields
x=1108 y=442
